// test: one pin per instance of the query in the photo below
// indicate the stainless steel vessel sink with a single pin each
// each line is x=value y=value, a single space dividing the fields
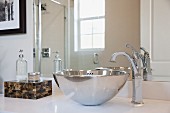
x=91 y=87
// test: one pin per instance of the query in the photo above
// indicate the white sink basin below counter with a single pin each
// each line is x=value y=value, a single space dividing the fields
x=58 y=103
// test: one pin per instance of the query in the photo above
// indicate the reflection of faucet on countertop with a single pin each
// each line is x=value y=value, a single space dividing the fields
x=136 y=78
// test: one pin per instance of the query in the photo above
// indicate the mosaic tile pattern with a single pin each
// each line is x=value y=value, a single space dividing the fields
x=27 y=90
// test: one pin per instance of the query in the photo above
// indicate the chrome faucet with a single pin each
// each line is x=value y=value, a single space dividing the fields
x=136 y=78
x=146 y=70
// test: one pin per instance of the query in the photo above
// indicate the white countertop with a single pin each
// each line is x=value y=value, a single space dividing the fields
x=58 y=103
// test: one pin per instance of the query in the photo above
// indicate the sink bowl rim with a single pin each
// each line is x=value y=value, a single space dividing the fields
x=90 y=74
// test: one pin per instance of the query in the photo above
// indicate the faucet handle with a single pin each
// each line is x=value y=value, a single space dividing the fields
x=135 y=53
x=131 y=47
x=144 y=50
x=147 y=71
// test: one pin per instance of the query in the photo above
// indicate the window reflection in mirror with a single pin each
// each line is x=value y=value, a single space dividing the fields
x=89 y=24
x=87 y=33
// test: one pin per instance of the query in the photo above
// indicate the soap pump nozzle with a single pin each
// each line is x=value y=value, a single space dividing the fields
x=21 y=55
x=57 y=54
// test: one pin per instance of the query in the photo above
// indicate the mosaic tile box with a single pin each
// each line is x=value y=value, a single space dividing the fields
x=27 y=90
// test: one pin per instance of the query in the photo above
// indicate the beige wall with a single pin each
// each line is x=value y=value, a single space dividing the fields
x=122 y=26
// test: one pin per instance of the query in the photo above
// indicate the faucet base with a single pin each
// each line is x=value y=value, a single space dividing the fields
x=137 y=103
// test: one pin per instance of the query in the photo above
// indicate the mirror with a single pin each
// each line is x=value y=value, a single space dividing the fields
x=122 y=25
x=50 y=20
x=113 y=15
x=53 y=33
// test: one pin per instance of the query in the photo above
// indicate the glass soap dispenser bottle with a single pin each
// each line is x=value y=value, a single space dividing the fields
x=57 y=62
x=21 y=67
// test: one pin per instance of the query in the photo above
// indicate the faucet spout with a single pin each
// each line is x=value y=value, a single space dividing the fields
x=136 y=78
x=113 y=58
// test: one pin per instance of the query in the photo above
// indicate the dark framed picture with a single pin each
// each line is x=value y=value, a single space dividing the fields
x=12 y=17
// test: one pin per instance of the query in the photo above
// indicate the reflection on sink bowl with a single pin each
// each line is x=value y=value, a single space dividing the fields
x=91 y=87
x=127 y=69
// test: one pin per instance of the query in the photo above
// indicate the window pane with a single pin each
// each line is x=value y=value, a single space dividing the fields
x=99 y=7
x=98 y=41
x=86 y=27
x=99 y=25
x=84 y=11
x=91 y=8
x=86 y=41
